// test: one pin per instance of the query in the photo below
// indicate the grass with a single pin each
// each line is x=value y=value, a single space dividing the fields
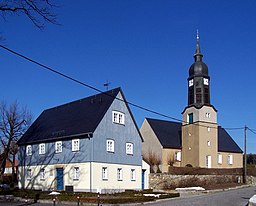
x=129 y=196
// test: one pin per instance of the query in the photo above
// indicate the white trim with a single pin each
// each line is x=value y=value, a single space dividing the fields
x=104 y=173
x=42 y=174
x=118 y=117
x=29 y=150
x=75 y=145
x=220 y=159
x=230 y=159
x=58 y=147
x=129 y=148
x=42 y=148
x=119 y=174
x=110 y=145
x=76 y=173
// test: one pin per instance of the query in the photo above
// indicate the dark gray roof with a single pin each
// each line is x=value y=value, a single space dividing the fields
x=75 y=118
x=169 y=135
x=226 y=143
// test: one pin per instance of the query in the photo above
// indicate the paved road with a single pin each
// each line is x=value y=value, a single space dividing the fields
x=237 y=197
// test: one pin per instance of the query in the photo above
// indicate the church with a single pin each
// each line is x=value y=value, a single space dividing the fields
x=196 y=141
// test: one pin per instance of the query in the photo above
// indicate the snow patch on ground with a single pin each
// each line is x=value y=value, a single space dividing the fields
x=190 y=188
x=252 y=201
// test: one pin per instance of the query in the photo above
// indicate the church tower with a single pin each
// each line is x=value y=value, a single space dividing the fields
x=199 y=118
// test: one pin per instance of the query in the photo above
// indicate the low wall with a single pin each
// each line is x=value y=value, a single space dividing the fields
x=163 y=181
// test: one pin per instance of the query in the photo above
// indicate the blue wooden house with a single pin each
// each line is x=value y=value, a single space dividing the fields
x=92 y=144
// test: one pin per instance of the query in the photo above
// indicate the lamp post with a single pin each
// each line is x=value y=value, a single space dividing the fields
x=54 y=200
x=78 y=200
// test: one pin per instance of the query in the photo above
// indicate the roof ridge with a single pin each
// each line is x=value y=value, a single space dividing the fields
x=85 y=98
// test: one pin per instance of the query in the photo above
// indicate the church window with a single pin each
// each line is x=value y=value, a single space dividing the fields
x=190 y=118
x=198 y=95
x=191 y=95
x=230 y=159
x=206 y=95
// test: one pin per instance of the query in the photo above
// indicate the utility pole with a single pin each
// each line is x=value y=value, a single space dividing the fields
x=245 y=158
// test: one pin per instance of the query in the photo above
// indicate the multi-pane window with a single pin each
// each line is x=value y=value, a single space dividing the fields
x=42 y=174
x=75 y=145
x=76 y=173
x=29 y=150
x=220 y=159
x=119 y=174
x=104 y=173
x=42 y=148
x=133 y=175
x=110 y=145
x=178 y=156
x=208 y=115
x=58 y=146
x=230 y=159
x=29 y=174
x=129 y=148
x=118 y=117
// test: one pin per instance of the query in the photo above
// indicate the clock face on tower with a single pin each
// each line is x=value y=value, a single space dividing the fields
x=206 y=81
x=190 y=83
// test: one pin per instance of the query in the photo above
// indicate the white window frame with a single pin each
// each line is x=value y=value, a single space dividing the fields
x=75 y=145
x=104 y=173
x=58 y=147
x=191 y=82
x=230 y=159
x=220 y=159
x=133 y=175
x=42 y=148
x=110 y=145
x=208 y=115
x=119 y=174
x=42 y=174
x=118 y=117
x=208 y=143
x=76 y=173
x=29 y=174
x=178 y=156
x=29 y=150
x=129 y=148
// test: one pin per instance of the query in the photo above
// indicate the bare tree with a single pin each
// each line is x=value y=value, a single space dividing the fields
x=38 y=11
x=14 y=121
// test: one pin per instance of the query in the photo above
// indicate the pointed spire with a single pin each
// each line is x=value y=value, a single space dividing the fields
x=198 y=55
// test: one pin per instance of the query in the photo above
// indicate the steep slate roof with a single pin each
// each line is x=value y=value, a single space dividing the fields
x=76 y=118
x=169 y=135
x=226 y=143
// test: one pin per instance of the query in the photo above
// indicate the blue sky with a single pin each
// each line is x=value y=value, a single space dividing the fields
x=146 y=47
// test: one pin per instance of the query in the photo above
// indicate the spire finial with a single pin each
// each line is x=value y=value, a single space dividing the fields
x=198 y=56
x=197 y=35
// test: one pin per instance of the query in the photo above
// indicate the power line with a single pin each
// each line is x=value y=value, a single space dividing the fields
x=251 y=130
x=98 y=90
x=86 y=85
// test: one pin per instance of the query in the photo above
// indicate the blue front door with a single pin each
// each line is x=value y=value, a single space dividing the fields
x=143 y=179
x=59 y=178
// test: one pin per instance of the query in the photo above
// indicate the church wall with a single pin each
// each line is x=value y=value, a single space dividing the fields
x=151 y=144
x=168 y=159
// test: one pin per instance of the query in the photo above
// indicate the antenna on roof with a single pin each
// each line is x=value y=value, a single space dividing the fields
x=106 y=85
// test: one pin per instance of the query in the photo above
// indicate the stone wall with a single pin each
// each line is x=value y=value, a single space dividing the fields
x=163 y=181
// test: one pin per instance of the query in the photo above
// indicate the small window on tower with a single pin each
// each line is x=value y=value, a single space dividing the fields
x=190 y=118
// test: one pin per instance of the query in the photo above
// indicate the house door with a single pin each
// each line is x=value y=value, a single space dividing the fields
x=208 y=161
x=143 y=179
x=59 y=178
